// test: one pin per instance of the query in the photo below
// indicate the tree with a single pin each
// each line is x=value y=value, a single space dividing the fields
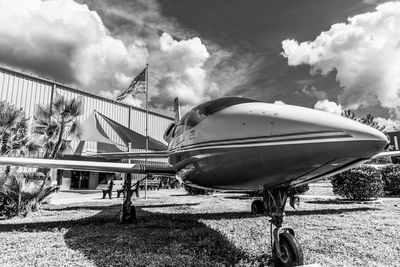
x=14 y=138
x=370 y=121
x=367 y=120
x=56 y=123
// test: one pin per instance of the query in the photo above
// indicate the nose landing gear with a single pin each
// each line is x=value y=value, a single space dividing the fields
x=286 y=250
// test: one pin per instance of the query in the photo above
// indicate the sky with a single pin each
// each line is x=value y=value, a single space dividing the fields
x=321 y=54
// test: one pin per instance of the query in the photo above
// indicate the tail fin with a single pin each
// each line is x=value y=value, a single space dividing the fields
x=177 y=110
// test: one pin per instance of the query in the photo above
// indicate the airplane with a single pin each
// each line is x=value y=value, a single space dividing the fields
x=241 y=144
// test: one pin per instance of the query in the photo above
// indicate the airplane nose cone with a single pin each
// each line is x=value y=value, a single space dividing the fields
x=363 y=132
x=362 y=140
x=381 y=138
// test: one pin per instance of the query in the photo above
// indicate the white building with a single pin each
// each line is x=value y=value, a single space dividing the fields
x=27 y=91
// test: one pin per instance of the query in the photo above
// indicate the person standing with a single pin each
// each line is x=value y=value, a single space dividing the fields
x=110 y=186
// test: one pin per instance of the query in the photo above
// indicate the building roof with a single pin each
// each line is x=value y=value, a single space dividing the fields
x=75 y=90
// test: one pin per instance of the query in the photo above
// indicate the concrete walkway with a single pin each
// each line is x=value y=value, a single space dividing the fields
x=77 y=196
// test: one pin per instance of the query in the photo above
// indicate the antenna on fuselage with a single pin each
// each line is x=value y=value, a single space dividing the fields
x=177 y=110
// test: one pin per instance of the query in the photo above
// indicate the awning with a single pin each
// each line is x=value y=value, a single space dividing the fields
x=91 y=130
x=137 y=140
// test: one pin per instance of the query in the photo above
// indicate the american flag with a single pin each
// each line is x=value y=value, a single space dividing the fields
x=137 y=86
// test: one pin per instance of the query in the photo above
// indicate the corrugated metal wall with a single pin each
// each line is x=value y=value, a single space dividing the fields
x=28 y=91
x=23 y=91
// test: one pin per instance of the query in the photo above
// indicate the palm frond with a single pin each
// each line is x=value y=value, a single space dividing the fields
x=73 y=107
x=23 y=194
x=59 y=104
x=42 y=113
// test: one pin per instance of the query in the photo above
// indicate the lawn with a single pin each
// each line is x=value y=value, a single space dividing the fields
x=179 y=230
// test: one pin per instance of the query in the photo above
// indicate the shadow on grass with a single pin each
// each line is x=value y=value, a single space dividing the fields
x=326 y=211
x=341 y=201
x=101 y=207
x=169 y=205
x=241 y=197
x=79 y=191
x=159 y=239
x=69 y=208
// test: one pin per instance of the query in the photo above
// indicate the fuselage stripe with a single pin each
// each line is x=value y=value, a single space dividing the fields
x=252 y=141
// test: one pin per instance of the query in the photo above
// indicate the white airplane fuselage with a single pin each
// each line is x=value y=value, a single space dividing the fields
x=249 y=146
x=240 y=144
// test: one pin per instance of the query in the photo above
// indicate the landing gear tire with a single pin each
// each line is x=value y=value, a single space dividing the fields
x=291 y=251
x=257 y=207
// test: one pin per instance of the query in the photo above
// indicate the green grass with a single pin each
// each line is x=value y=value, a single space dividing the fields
x=214 y=230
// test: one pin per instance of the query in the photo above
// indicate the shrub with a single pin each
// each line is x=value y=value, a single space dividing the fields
x=361 y=183
x=22 y=193
x=197 y=191
x=298 y=190
x=391 y=179
x=380 y=160
x=293 y=190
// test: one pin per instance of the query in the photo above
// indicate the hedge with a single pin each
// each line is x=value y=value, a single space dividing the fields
x=361 y=183
x=391 y=179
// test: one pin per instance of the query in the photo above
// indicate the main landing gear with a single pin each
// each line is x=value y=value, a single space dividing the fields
x=128 y=212
x=286 y=250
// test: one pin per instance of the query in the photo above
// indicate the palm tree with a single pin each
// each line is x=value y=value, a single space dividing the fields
x=14 y=138
x=56 y=123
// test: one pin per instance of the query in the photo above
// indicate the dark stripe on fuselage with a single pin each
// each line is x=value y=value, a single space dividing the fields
x=251 y=168
x=179 y=157
x=254 y=140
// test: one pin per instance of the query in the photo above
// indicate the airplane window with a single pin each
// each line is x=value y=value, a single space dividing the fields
x=169 y=129
x=179 y=130
x=209 y=108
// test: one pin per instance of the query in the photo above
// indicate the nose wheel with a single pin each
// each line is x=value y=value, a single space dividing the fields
x=286 y=250
x=291 y=253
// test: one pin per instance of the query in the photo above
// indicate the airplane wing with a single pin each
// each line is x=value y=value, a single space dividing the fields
x=132 y=155
x=101 y=166
x=387 y=154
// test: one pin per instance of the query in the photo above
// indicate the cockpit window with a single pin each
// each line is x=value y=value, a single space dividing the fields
x=169 y=129
x=202 y=111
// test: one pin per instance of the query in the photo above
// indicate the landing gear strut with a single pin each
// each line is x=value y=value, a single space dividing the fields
x=128 y=212
x=286 y=250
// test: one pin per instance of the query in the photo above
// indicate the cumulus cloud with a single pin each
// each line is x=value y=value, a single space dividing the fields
x=180 y=69
x=328 y=106
x=364 y=52
x=66 y=41
x=374 y=2
x=313 y=92
x=390 y=124
x=113 y=94
x=279 y=102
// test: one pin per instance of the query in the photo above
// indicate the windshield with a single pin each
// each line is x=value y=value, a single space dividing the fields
x=209 y=108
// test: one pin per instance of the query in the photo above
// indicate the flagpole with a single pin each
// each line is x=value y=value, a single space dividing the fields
x=147 y=122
